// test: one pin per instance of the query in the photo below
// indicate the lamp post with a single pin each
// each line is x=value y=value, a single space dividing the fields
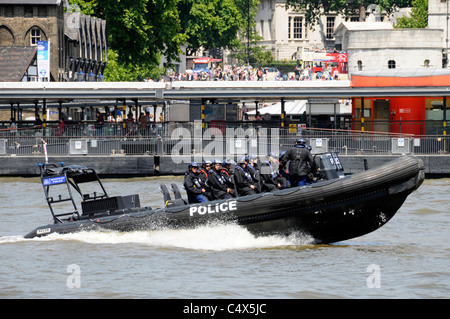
x=248 y=32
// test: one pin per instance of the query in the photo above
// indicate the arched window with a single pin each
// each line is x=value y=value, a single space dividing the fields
x=360 y=65
x=6 y=36
x=391 y=64
x=35 y=36
x=426 y=63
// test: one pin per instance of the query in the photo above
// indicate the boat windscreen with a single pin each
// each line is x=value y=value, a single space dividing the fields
x=52 y=169
x=86 y=177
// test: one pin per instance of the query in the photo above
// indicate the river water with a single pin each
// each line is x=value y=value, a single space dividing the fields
x=407 y=258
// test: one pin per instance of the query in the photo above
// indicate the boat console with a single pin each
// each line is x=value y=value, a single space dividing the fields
x=330 y=166
x=59 y=182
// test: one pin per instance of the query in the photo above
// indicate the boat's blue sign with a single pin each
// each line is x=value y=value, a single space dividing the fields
x=54 y=180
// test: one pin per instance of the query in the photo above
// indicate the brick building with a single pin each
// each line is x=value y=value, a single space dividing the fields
x=77 y=42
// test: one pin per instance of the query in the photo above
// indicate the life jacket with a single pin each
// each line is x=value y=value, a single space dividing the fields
x=204 y=172
x=246 y=173
x=273 y=173
x=225 y=171
x=195 y=179
x=196 y=182
x=219 y=177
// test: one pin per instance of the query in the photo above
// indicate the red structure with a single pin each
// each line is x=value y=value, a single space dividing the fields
x=328 y=60
x=412 y=115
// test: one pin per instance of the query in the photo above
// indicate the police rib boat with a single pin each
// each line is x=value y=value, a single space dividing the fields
x=335 y=208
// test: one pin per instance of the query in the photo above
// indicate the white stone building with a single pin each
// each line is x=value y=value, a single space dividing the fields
x=285 y=31
x=378 y=45
x=372 y=44
x=438 y=13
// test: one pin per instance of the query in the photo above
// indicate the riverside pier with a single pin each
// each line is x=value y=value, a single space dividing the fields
x=166 y=147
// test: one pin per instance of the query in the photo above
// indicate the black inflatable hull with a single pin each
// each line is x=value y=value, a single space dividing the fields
x=328 y=211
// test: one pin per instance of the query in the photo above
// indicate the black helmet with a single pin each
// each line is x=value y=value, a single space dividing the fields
x=193 y=164
x=300 y=141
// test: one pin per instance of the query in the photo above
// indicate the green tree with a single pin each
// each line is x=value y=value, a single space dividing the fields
x=248 y=50
x=88 y=8
x=142 y=30
x=139 y=32
x=117 y=71
x=228 y=24
x=418 y=18
x=209 y=24
x=254 y=55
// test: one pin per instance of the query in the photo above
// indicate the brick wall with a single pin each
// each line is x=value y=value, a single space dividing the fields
x=16 y=30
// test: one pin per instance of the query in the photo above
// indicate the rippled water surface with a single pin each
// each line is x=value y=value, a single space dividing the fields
x=408 y=258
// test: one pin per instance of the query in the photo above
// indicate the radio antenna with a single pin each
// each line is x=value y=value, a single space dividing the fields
x=45 y=150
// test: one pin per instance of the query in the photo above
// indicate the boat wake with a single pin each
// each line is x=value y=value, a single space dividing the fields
x=213 y=237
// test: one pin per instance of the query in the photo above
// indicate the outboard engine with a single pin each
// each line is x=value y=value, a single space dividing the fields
x=165 y=192
x=176 y=191
x=168 y=201
x=330 y=166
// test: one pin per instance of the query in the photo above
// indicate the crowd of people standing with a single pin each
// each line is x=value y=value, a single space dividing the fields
x=249 y=73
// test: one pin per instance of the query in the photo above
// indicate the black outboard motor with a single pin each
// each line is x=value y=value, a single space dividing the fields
x=168 y=201
x=165 y=192
x=176 y=191
x=330 y=166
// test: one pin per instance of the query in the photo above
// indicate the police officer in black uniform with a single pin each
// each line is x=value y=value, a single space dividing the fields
x=282 y=170
x=243 y=179
x=253 y=168
x=192 y=185
x=226 y=172
x=301 y=163
x=203 y=175
x=271 y=179
x=217 y=183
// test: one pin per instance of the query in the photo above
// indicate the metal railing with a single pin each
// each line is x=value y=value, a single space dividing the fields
x=221 y=139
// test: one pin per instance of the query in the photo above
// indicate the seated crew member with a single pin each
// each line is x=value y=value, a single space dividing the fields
x=203 y=175
x=192 y=185
x=227 y=174
x=253 y=162
x=243 y=179
x=282 y=170
x=219 y=188
x=271 y=179
x=252 y=168
x=301 y=163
